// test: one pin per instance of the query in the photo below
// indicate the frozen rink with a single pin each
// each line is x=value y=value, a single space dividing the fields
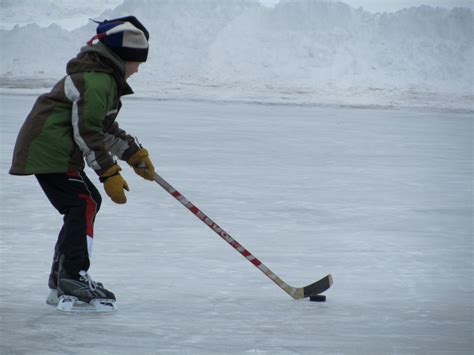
x=382 y=199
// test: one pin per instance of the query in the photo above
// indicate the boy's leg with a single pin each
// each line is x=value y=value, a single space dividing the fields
x=74 y=196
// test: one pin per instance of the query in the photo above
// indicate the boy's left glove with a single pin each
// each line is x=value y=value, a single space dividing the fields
x=141 y=163
x=114 y=184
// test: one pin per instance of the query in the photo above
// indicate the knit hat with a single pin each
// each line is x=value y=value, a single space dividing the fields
x=124 y=36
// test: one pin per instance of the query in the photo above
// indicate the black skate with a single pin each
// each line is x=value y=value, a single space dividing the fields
x=82 y=295
x=53 y=299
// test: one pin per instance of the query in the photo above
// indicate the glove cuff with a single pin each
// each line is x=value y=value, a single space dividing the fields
x=112 y=171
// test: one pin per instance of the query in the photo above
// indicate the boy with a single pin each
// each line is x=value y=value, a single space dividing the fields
x=73 y=123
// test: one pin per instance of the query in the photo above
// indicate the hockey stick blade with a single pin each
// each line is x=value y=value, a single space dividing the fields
x=318 y=287
x=311 y=290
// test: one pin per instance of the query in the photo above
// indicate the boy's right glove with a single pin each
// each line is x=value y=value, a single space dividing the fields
x=114 y=184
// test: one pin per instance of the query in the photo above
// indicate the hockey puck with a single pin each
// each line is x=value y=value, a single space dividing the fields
x=317 y=298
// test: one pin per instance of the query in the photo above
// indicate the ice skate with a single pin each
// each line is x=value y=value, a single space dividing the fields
x=82 y=295
x=52 y=299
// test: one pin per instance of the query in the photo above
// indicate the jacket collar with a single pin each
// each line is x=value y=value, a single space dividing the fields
x=99 y=58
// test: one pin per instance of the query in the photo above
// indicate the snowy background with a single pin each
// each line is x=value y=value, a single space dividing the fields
x=325 y=138
x=301 y=51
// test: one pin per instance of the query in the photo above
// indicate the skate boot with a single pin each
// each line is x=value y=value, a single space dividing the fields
x=80 y=294
x=52 y=299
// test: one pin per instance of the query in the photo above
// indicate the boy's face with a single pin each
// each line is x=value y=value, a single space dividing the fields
x=131 y=68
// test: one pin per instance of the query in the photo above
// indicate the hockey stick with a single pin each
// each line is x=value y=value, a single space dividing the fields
x=295 y=292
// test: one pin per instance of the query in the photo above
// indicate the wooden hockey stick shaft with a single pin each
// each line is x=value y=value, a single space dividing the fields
x=295 y=292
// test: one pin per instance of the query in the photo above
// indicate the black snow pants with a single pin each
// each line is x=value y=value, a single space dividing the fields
x=75 y=197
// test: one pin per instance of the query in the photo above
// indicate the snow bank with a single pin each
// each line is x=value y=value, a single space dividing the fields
x=299 y=52
x=69 y=14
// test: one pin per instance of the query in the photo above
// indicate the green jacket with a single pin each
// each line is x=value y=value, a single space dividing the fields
x=76 y=120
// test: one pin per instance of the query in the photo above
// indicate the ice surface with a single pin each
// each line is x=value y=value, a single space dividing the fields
x=382 y=199
x=298 y=51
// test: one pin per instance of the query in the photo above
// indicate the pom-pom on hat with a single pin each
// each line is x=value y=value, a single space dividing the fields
x=125 y=36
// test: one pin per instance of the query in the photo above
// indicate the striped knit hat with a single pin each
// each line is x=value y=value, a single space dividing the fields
x=124 y=36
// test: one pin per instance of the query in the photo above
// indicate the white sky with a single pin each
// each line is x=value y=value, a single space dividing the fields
x=395 y=5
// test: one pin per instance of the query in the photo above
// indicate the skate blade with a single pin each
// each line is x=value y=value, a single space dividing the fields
x=71 y=305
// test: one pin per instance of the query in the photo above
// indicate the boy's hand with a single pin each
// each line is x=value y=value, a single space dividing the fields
x=114 y=184
x=141 y=163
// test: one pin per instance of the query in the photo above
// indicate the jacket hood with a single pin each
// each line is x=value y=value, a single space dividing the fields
x=99 y=58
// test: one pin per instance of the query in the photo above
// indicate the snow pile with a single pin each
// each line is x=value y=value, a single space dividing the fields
x=299 y=51
x=68 y=14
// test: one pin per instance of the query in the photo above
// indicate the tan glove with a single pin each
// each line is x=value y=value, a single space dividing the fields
x=114 y=184
x=141 y=163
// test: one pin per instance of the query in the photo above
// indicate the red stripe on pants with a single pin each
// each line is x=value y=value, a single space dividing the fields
x=90 y=213
x=73 y=173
